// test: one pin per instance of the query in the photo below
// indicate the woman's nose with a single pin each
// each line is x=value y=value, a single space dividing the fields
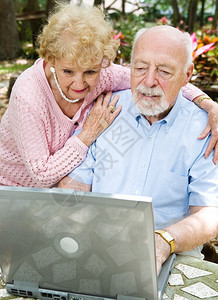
x=78 y=81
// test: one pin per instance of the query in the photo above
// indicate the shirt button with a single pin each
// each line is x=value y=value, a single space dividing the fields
x=143 y=165
x=137 y=192
x=150 y=138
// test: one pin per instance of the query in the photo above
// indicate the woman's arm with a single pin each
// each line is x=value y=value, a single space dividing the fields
x=69 y=183
x=121 y=77
x=35 y=150
x=113 y=78
x=42 y=143
x=211 y=107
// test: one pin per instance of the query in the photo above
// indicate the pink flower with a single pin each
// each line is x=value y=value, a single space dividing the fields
x=194 y=41
x=117 y=36
x=204 y=49
x=164 y=20
x=210 y=19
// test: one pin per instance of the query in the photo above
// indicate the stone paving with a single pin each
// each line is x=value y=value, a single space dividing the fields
x=192 y=278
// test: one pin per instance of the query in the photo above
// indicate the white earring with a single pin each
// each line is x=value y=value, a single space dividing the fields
x=52 y=69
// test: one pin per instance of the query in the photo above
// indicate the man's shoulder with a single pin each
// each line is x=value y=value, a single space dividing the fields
x=190 y=106
x=193 y=112
x=125 y=98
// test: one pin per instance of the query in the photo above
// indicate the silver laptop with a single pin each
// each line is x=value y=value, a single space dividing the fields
x=62 y=244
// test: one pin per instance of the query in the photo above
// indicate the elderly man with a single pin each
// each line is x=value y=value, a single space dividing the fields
x=152 y=148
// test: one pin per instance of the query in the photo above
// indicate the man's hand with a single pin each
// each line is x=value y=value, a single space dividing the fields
x=195 y=230
x=162 y=251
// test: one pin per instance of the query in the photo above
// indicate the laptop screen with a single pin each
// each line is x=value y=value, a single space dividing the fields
x=86 y=243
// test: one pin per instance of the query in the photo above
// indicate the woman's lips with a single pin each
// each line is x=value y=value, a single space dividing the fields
x=80 y=91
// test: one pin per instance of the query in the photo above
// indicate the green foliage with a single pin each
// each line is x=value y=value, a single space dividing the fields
x=28 y=52
x=24 y=30
x=205 y=65
x=128 y=26
x=205 y=71
x=13 y=68
x=21 y=4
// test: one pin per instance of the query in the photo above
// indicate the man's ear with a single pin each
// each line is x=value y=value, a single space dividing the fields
x=189 y=73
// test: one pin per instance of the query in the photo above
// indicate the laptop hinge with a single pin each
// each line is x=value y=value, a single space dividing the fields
x=122 y=297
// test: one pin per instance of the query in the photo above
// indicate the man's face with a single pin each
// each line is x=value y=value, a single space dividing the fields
x=157 y=73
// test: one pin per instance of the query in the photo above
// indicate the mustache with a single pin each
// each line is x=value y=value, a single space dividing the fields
x=149 y=91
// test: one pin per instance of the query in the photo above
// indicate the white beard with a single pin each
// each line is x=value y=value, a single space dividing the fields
x=148 y=107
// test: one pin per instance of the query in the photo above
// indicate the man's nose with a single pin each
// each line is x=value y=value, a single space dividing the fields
x=150 y=79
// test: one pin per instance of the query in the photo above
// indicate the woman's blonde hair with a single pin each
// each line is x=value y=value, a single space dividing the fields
x=78 y=34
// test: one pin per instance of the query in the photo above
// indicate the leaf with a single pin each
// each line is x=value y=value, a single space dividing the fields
x=117 y=36
x=194 y=41
x=203 y=49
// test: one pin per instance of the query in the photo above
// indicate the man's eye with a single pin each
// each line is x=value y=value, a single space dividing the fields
x=140 y=71
x=164 y=72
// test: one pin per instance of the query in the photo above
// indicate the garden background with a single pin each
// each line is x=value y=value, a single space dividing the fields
x=21 y=20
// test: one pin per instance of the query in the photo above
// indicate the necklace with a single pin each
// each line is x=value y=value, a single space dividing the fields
x=52 y=69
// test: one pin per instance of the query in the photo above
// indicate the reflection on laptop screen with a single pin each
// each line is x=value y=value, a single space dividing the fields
x=64 y=244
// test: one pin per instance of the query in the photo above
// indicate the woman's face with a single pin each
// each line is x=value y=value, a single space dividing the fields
x=76 y=82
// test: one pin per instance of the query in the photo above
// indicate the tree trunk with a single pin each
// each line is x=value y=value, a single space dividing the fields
x=215 y=21
x=9 y=41
x=176 y=14
x=192 y=15
x=98 y=2
x=202 y=13
x=35 y=24
x=123 y=7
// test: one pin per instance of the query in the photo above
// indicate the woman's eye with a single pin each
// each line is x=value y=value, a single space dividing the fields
x=69 y=72
x=90 y=72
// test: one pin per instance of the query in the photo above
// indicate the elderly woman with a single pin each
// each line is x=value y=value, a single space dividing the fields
x=53 y=98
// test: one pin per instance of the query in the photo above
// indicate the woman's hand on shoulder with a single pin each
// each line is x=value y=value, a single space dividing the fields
x=101 y=116
x=212 y=126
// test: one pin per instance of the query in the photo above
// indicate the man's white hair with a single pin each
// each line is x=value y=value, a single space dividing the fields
x=185 y=36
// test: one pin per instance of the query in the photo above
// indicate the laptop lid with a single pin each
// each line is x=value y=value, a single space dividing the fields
x=99 y=245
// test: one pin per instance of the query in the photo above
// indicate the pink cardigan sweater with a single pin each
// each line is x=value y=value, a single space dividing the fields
x=37 y=145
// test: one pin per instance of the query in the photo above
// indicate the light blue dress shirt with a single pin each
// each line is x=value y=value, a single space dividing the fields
x=164 y=160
